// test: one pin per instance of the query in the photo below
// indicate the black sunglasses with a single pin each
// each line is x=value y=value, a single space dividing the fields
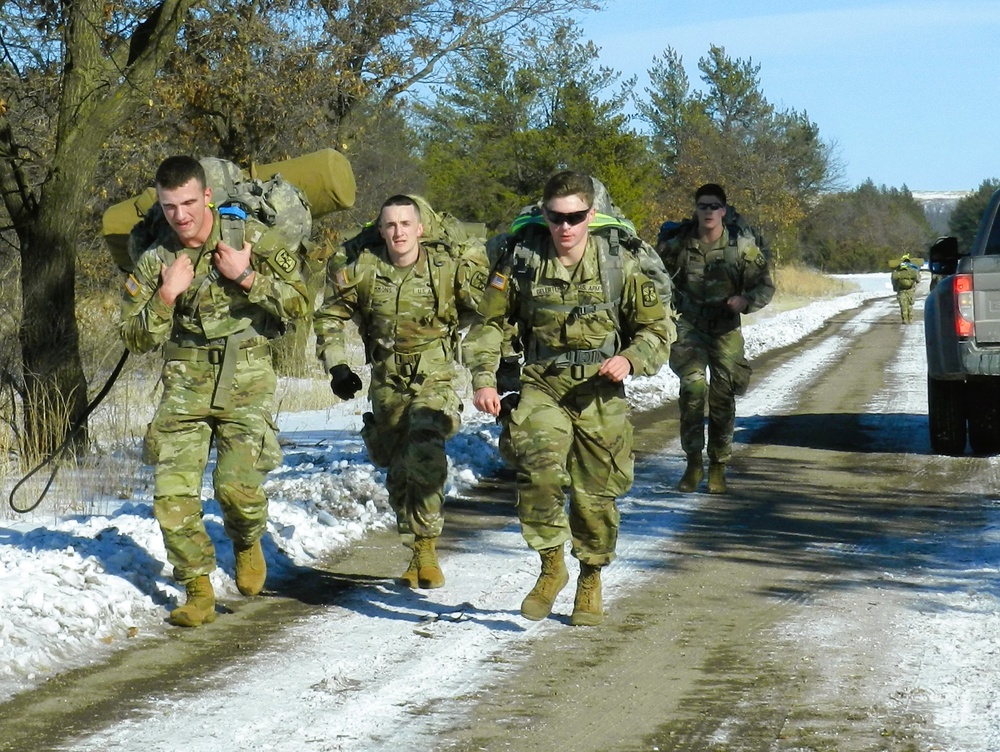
x=714 y=206
x=570 y=218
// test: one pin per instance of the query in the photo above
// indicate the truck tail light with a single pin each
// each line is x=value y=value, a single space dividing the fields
x=964 y=326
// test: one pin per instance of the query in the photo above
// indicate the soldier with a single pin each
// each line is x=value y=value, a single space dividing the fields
x=213 y=307
x=905 y=278
x=407 y=298
x=717 y=277
x=571 y=428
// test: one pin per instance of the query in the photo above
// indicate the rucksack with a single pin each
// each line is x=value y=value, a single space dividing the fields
x=275 y=202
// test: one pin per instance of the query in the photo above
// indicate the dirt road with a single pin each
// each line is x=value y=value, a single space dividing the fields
x=777 y=617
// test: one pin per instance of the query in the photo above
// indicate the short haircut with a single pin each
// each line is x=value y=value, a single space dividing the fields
x=711 y=189
x=399 y=199
x=569 y=183
x=176 y=171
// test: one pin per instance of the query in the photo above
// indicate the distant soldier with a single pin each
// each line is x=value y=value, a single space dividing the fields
x=407 y=298
x=717 y=277
x=905 y=278
x=570 y=434
x=213 y=306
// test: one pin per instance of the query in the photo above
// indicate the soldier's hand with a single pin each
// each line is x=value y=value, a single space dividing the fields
x=344 y=382
x=176 y=278
x=232 y=263
x=487 y=400
x=615 y=368
x=737 y=303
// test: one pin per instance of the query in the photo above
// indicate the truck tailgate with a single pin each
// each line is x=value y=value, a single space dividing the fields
x=986 y=298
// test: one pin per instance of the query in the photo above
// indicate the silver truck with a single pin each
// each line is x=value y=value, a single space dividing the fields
x=962 y=337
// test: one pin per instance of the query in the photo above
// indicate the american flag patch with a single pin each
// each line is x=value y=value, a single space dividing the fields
x=132 y=286
x=340 y=278
x=498 y=280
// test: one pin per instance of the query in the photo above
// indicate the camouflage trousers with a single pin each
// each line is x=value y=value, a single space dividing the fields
x=406 y=432
x=905 y=300
x=577 y=448
x=693 y=356
x=247 y=448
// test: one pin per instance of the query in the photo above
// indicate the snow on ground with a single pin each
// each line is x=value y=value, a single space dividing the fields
x=76 y=588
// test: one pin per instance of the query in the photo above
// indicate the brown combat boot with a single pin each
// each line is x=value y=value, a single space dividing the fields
x=587 y=608
x=429 y=574
x=411 y=577
x=716 y=477
x=200 y=606
x=553 y=578
x=251 y=569
x=693 y=473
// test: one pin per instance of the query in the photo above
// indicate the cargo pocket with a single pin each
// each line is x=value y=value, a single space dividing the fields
x=270 y=450
x=377 y=451
x=741 y=377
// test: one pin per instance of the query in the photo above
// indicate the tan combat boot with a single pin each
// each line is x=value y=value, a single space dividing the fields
x=587 y=608
x=200 y=606
x=693 y=473
x=251 y=569
x=716 y=477
x=553 y=578
x=411 y=577
x=429 y=574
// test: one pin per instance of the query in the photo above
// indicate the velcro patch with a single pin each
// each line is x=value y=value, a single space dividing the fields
x=650 y=297
x=132 y=286
x=498 y=281
x=283 y=262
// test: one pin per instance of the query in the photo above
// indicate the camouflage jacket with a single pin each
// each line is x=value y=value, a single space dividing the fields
x=562 y=318
x=213 y=308
x=401 y=311
x=703 y=281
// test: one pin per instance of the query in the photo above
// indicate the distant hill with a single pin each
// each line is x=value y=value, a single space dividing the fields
x=938 y=206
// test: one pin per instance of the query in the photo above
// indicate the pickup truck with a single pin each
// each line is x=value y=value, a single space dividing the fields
x=962 y=338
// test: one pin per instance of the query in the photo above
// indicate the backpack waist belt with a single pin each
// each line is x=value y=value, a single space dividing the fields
x=213 y=355
x=566 y=358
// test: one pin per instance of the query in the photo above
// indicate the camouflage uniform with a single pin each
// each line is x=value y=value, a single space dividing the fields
x=905 y=279
x=708 y=333
x=571 y=428
x=217 y=382
x=408 y=319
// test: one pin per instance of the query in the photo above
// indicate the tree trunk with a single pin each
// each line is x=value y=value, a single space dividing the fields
x=55 y=385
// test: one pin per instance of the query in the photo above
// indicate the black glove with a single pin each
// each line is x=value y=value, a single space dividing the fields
x=344 y=382
x=508 y=404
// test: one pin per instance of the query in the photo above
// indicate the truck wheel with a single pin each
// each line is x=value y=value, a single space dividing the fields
x=946 y=416
x=984 y=420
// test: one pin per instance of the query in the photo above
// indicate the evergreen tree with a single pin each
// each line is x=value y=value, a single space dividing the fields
x=964 y=220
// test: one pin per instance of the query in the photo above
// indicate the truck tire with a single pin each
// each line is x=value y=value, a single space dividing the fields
x=984 y=420
x=946 y=416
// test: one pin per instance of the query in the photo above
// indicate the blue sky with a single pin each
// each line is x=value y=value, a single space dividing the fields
x=908 y=92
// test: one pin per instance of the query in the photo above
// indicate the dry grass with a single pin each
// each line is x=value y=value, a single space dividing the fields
x=796 y=286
